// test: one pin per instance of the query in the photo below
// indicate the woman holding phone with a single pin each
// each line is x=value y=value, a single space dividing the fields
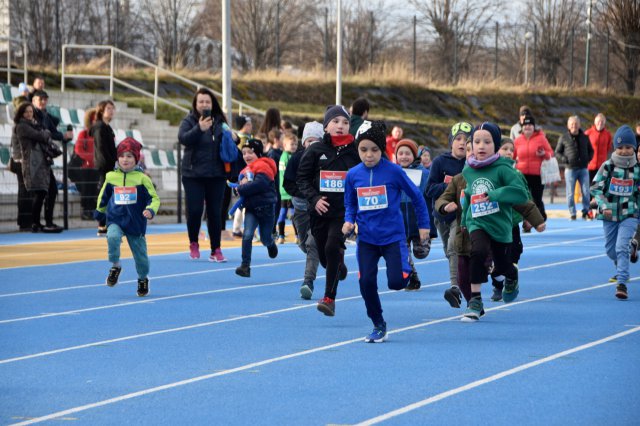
x=203 y=172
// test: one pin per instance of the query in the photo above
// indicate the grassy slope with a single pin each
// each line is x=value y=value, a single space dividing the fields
x=425 y=113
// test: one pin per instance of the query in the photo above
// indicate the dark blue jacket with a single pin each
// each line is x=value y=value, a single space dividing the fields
x=382 y=226
x=261 y=191
x=444 y=165
x=201 y=156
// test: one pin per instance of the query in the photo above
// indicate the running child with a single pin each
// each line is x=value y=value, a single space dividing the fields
x=126 y=201
x=258 y=196
x=615 y=189
x=372 y=197
x=493 y=187
x=407 y=157
x=290 y=146
x=323 y=169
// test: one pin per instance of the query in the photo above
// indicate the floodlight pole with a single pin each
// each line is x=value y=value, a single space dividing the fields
x=339 y=55
x=226 y=59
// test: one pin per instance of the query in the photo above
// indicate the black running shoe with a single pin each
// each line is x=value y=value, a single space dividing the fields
x=243 y=271
x=114 y=273
x=143 y=287
x=621 y=292
x=414 y=282
x=273 y=251
x=453 y=296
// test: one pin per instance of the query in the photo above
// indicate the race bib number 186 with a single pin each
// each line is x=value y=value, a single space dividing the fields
x=331 y=181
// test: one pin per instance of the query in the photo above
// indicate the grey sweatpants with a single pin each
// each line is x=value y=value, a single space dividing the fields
x=447 y=231
x=306 y=243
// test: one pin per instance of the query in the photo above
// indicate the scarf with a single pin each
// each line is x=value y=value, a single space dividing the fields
x=477 y=164
x=341 y=140
x=623 y=161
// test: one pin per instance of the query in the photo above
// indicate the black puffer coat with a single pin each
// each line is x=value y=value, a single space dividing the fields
x=36 y=167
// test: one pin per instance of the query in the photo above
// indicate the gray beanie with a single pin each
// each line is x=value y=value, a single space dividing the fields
x=312 y=129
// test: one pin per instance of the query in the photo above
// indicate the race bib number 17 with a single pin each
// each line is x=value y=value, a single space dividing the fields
x=123 y=195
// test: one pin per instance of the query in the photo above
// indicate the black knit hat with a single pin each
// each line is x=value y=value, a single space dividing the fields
x=241 y=120
x=375 y=131
x=255 y=145
x=334 y=111
x=528 y=119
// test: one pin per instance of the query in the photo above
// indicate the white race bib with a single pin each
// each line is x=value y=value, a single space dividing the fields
x=332 y=181
x=483 y=208
x=123 y=195
x=372 y=198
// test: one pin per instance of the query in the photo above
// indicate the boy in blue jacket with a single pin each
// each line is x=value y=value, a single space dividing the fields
x=373 y=191
x=127 y=199
x=258 y=193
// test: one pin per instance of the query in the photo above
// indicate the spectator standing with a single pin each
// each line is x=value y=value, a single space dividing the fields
x=359 y=112
x=530 y=149
x=575 y=151
x=203 y=171
x=104 y=142
x=25 y=198
x=516 y=130
x=23 y=96
x=244 y=129
x=601 y=143
x=392 y=141
x=272 y=121
x=88 y=176
x=37 y=85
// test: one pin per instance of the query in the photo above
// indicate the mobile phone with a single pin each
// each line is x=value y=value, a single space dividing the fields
x=206 y=113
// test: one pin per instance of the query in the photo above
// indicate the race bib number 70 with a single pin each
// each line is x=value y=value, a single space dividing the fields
x=372 y=198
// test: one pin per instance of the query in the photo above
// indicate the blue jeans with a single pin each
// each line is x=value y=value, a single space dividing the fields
x=617 y=236
x=261 y=218
x=137 y=244
x=570 y=177
x=396 y=256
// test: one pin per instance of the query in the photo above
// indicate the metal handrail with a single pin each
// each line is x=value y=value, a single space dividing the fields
x=112 y=79
x=8 y=69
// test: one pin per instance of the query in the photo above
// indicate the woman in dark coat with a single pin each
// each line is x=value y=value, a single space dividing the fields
x=36 y=165
x=203 y=171
x=105 y=154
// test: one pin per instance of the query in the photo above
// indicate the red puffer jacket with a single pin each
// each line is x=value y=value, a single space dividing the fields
x=525 y=152
x=602 y=145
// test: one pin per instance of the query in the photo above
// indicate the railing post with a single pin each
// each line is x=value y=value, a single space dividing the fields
x=24 y=60
x=155 y=95
x=9 y=60
x=239 y=108
x=111 y=73
x=63 y=64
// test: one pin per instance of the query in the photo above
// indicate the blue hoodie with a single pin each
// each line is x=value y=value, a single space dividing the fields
x=444 y=165
x=377 y=224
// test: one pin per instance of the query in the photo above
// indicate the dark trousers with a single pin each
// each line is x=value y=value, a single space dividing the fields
x=88 y=188
x=537 y=189
x=48 y=198
x=396 y=257
x=464 y=277
x=226 y=201
x=327 y=232
x=25 y=200
x=261 y=218
x=481 y=246
x=198 y=192
x=102 y=175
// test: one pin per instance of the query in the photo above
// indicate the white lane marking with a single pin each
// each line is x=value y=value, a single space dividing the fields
x=256 y=364
x=493 y=378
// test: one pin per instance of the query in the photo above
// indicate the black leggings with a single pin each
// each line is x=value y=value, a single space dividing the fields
x=481 y=246
x=198 y=192
x=48 y=198
x=327 y=233
x=537 y=190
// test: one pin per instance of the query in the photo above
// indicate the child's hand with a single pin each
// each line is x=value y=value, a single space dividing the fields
x=322 y=206
x=608 y=214
x=347 y=228
x=482 y=198
x=424 y=235
x=451 y=207
x=147 y=213
x=541 y=227
x=243 y=181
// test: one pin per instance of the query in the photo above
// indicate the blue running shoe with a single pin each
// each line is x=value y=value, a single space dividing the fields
x=378 y=335
x=475 y=309
x=510 y=291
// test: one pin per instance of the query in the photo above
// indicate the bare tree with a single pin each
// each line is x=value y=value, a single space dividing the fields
x=622 y=18
x=458 y=27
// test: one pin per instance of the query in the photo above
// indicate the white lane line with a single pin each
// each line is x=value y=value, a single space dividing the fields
x=243 y=317
x=268 y=265
x=493 y=378
x=254 y=365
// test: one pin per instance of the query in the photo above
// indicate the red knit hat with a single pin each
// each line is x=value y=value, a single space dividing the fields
x=409 y=143
x=130 y=145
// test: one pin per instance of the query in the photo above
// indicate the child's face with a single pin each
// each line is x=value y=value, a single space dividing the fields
x=625 y=151
x=506 y=150
x=483 y=146
x=425 y=159
x=469 y=149
x=397 y=132
x=338 y=126
x=290 y=145
x=369 y=152
x=404 y=157
x=457 y=146
x=248 y=155
x=309 y=141
x=126 y=161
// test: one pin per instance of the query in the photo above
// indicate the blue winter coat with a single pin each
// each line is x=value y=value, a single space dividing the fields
x=385 y=225
x=406 y=206
x=444 y=165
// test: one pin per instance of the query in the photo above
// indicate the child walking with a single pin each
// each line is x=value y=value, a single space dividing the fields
x=615 y=189
x=290 y=145
x=407 y=157
x=126 y=201
x=373 y=191
x=321 y=175
x=258 y=194
x=493 y=187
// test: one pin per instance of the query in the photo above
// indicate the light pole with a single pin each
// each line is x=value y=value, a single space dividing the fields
x=586 y=60
x=527 y=37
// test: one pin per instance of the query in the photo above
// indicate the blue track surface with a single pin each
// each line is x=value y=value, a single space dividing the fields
x=208 y=347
